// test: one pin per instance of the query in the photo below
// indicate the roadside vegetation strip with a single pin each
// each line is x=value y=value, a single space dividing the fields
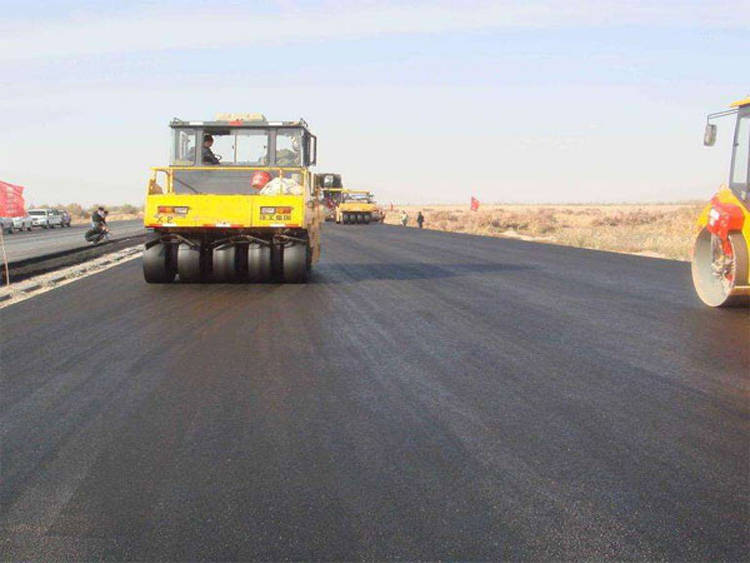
x=45 y=282
x=26 y=268
x=663 y=230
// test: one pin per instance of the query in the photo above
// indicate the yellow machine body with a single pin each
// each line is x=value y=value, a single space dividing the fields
x=357 y=207
x=721 y=255
x=234 y=211
x=252 y=215
x=226 y=211
x=355 y=210
x=726 y=196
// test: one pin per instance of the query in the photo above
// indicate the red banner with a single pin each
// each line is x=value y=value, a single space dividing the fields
x=11 y=200
x=474 y=204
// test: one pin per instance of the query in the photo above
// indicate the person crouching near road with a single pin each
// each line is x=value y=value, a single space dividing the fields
x=98 y=222
x=420 y=219
x=99 y=219
x=404 y=218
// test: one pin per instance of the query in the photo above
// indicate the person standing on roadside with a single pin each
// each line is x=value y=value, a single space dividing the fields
x=420 y=219
x=404 y=218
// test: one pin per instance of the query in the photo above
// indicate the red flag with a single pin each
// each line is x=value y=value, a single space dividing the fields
x=11 y=200
x=474 y=204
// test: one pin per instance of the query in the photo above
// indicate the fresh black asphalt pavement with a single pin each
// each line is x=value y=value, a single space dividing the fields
x=426 y=396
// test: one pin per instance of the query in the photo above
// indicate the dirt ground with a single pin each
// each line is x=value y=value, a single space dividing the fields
x=659 y=230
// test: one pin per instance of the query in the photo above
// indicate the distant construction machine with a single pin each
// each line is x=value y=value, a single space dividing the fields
x=236 y=203
x=331 y=190
x=720 y=265
x=357 y=206
x=345 y=205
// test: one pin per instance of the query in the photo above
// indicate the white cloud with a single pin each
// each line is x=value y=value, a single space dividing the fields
x=183 y=29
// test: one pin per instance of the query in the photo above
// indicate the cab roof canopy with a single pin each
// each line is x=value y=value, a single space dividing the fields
x=238 y=120
x=741 y=103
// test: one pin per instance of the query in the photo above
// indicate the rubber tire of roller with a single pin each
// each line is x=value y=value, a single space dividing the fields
x=225 y=264
x=366 y=218
x=294 y=267
x=188 y=263
x=259 y=263
x=158 y=264
x=708 y=288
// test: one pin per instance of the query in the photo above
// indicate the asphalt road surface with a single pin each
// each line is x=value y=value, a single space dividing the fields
x=22 y=245
x=426 y=396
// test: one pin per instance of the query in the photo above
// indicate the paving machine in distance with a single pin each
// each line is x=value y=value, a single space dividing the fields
x=331 y=191
x=236 y=203
x=720 y=265
x=357 y=206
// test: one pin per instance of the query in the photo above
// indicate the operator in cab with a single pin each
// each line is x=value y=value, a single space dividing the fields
x=207 y=155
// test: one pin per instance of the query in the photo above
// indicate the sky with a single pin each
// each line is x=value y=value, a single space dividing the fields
x=421 y=102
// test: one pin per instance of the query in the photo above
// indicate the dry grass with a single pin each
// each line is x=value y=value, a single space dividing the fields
x=110 y=217
x=665 y=230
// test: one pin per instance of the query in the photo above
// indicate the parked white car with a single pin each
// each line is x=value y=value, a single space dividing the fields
x=45 y=218
x=6 y=224
x=23 y=223
x=39 y=218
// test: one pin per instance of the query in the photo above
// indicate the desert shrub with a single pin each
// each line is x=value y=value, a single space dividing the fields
x=126 y=209
x=629 y=218
x=544 y=221
x=589 y=211
x=443 y=216
x=508 y=221
x=666 y=230
x=76 y=210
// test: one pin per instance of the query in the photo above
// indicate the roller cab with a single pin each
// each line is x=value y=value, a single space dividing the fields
x=237 y=203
